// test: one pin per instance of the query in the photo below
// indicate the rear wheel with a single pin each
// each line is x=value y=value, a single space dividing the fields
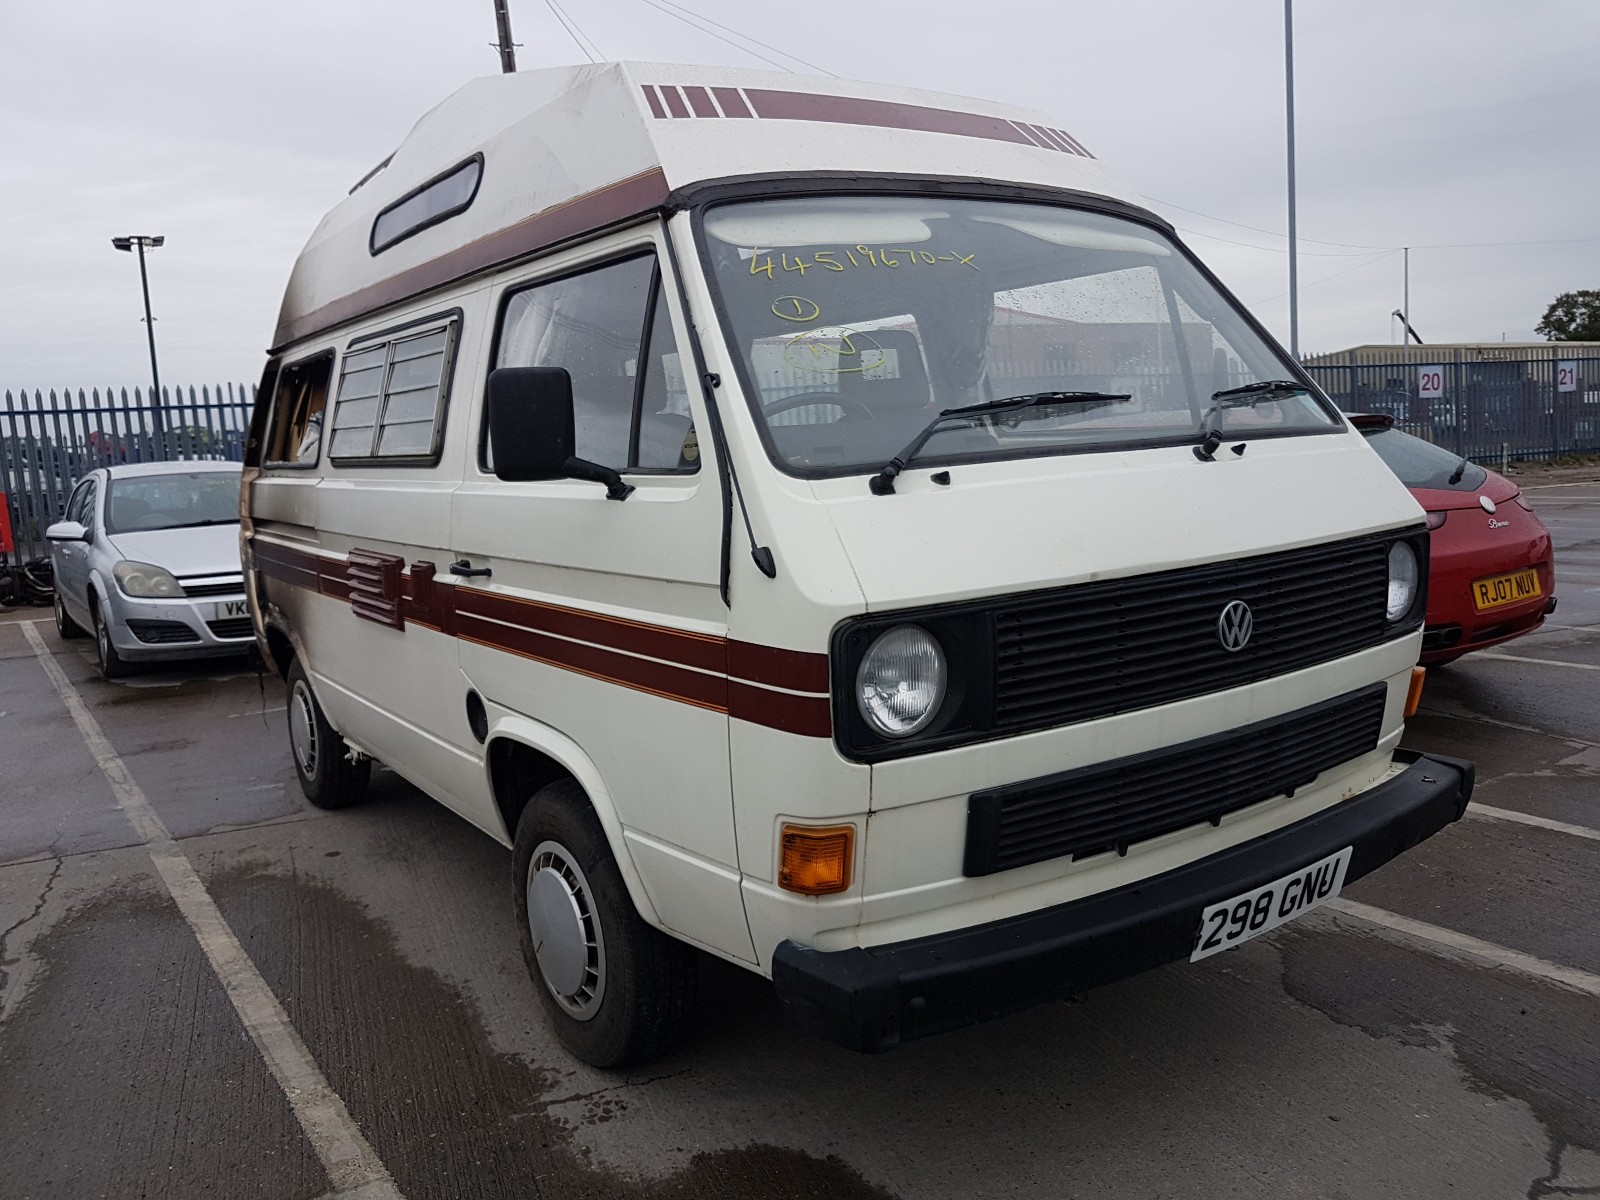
x=66 y=627
x=322 y=759
x=618 y=992
x=112 y=664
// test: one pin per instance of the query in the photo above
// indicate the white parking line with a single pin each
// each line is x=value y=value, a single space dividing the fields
x=1447 y=943
x=1490 y=812
x=1548 y=662
x=350 y=1161
x=260 y=712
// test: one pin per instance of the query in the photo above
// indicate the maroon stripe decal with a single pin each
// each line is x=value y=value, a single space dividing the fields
x=700 y=101
x=582 y=214
x=538 y=631
x=1077 y=146
x=808 y=716
x=1036 y=139
x=659 y=679
x=732 y=102
x=886 y=114
x=653 y=100
x=674 y=99
x=1050 y=139
x=793 y=669
x=688 y=649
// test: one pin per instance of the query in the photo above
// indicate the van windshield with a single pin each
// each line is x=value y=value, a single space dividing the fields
x=858 y=319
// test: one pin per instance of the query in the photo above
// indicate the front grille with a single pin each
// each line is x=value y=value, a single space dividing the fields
x=231 y=627
x=1115 y=804
x=227 y=587
x=162 y=633
x=1102 y=648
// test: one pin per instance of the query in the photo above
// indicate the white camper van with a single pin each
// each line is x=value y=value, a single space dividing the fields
x=835 y=528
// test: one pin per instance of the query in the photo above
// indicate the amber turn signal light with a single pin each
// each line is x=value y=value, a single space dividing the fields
x=816 y=861
x=1414 y=694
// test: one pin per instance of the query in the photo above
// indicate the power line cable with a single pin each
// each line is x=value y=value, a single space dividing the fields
x=1372 y=261
x=1269 y=232
x=571 y=28
x=713 y=33
x=1283 y=250
x=746 y=37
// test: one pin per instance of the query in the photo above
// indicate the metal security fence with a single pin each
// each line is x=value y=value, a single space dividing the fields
x=50 y=440
x=1490 y=409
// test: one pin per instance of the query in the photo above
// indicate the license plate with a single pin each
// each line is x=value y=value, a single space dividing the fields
x=1505 y=589
x=1223 y=926
x=231 y=608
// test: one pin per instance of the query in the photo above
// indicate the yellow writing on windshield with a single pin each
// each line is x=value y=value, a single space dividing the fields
x=836 y=352
x=846 y=258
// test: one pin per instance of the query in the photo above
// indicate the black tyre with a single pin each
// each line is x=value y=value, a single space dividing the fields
x=66 y=627
x=112 y=664
x=328 y=777
x=617 y=991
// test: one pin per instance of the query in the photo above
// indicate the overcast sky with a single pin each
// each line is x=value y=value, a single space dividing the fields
x=230 y=127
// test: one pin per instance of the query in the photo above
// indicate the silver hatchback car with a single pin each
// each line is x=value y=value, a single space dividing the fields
x=147 y=560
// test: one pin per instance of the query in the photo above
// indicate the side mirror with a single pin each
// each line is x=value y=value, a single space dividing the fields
x=531 y=430
x=66 y=531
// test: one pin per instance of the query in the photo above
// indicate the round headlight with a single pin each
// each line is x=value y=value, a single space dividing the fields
x=901 y=681
x=1402 y=580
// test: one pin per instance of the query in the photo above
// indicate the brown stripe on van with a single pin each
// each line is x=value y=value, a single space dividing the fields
x=653 y=99
x=700 y=101
x=674 y=99
x=808 y=716
x=1036 y=138
x=732 y=102
x=885 y=114
x=1050 y=138
x=796 y=670
x=640 y=674
x=704 y=651
x=616 y=202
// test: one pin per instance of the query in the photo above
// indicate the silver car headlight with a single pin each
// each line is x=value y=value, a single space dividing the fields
x=901 y=681
x=1403 y=578
x=146 y=581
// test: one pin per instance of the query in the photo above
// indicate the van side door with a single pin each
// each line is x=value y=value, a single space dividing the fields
x=603 y=621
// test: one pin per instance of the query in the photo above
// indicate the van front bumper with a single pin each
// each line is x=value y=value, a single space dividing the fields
x=871 y=999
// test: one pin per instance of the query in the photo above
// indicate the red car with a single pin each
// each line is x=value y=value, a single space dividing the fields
x=1491 y=570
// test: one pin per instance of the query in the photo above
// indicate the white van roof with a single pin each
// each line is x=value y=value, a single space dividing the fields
x=570 y=150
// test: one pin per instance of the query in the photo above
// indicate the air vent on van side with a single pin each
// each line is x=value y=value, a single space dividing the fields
x=375 y=587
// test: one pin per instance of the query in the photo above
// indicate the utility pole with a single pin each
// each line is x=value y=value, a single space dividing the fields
x=1294 y=263
x=158 y=424
x=508 y=50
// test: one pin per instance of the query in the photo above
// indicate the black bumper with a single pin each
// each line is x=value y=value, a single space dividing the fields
x=873 y=999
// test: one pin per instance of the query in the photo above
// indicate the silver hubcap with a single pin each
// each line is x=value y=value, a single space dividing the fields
x=303 y=728
x=566 y=931
x=102 y=640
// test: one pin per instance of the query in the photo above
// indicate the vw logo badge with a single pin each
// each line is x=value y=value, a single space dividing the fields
x=1234 y=625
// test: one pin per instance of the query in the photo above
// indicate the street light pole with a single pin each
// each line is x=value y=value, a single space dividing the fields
x=157 y=418
x=1294 y=263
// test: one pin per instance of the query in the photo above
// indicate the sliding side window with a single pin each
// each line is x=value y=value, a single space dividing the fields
x=294 y=437
x=392 y=396
x=609 y=329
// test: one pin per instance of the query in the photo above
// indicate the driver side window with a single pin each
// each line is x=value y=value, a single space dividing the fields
x=609 y=329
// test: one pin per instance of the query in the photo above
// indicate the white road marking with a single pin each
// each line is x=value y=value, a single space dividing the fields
x=1447 y=943
x=260 y=712
x=1490 y=812
x=1540 y=487
x=1551 y=625
x=1548 y=662
x=350 y=1161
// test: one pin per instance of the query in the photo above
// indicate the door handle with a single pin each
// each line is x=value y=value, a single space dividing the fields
x=463 y=568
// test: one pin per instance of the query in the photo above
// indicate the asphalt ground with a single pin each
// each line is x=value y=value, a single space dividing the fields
x=208 y=989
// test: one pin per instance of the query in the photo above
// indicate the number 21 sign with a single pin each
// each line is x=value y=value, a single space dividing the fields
x=1566 y=377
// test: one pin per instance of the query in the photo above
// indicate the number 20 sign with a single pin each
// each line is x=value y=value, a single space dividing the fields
x=1430 y=382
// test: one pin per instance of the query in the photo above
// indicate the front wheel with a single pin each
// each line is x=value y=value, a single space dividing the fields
x=329 y=776
x=618 y=992
x=66 y=627
x=112 y=665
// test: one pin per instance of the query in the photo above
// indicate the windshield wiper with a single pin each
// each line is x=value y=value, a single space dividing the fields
x=882 y=484
x=1461 y=469
x=1245 y=396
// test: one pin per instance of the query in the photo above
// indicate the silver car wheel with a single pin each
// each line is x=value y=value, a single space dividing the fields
x=567 y=939
x=102 y=639
x=303 y=728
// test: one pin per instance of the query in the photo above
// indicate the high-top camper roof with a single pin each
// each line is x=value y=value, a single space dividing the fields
x=521 y=162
